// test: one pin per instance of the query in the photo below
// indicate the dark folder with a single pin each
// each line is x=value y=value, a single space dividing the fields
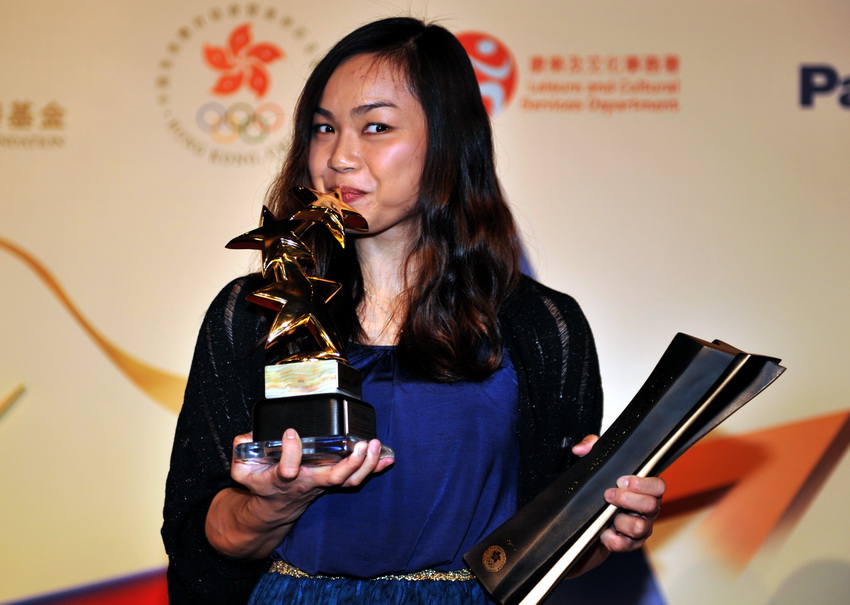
x=695 y=386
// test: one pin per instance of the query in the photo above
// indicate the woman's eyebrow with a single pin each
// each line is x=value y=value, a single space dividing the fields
x=359 y=110
x=367 y=107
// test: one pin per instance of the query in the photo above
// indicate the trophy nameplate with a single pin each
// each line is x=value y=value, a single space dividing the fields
x=312 y=390
x=308 y=378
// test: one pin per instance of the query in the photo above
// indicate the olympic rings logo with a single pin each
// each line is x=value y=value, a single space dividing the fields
x=239 y=121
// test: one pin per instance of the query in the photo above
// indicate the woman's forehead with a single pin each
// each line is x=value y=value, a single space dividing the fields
x=369 y=74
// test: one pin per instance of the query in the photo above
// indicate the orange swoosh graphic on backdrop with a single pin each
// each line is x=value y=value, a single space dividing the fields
x=163 y=387
x=757 y=482
x=10 y=399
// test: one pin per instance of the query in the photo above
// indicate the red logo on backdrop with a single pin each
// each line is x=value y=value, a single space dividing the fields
x=222 y=85
x=495 y=69
x=242 y=62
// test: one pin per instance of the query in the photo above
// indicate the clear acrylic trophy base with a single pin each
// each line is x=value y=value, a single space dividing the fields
x=315 y=451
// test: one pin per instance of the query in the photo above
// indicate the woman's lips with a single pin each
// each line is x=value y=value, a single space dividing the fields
x=349 y=195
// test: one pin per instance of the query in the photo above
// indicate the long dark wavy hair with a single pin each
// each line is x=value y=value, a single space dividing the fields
x=466 y=258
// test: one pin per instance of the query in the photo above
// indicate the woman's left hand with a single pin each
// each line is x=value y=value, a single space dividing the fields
x=639 y=499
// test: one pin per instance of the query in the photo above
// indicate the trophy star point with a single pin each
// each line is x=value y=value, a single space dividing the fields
x=330 y=218
x=254 y=239
x=325 y=289
x=284 y=255
x=277 y=241
x=292 y=316
x=312 y=292
x=349 y=218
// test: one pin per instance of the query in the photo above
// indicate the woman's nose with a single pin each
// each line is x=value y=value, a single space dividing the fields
x=345 y=155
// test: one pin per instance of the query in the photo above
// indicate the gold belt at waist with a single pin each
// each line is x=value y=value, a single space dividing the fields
x=455 y=575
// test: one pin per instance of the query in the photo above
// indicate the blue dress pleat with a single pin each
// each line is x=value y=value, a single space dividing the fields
x=275 y=589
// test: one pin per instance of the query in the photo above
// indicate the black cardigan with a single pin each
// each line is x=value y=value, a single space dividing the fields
x=560 y=396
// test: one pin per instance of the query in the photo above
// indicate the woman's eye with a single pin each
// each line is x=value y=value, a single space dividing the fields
x=375 y=128
x=322 y=128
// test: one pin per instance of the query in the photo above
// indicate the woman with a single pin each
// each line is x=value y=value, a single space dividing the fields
x=482 y=379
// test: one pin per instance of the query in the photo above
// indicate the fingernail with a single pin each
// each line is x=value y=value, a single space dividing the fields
x=290 y=434
x=623 y=482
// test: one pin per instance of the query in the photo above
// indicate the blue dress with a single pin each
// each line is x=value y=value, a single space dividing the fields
x=454 y=481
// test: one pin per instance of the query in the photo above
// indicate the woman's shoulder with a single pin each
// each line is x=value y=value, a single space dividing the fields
x=234 y=294
x=529 y=294
x=230 y=312
x=238 y=287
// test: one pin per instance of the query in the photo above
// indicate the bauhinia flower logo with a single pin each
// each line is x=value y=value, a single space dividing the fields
x=242 y=62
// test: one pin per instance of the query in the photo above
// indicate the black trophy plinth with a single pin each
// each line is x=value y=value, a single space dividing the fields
x=330 y=425
x=321 y=401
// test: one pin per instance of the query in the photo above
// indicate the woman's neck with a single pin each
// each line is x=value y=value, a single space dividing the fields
x=383 y=309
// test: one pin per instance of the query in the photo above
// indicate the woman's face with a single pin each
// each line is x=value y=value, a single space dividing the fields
x=369 y=139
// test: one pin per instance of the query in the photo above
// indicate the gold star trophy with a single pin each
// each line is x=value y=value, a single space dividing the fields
x=314 y=391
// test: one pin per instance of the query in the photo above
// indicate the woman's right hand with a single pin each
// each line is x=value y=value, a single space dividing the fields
x=251 y=522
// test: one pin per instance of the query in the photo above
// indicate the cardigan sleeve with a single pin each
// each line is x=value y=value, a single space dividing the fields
x=560 y=388
x=224 y=380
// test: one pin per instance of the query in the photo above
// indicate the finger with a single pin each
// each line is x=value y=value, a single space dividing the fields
x=372 y=457
x=365 y=459
x=586 y=444
x=641 y=504
x=290 y=455
x=626 y=497
x=357 y=466
x=636 y=527
x=384 y=463
x=240 y=468
x=617 y=542
x=245 y=438
x=651 y=486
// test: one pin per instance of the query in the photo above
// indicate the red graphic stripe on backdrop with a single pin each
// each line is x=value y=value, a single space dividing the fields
x=145 y=589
